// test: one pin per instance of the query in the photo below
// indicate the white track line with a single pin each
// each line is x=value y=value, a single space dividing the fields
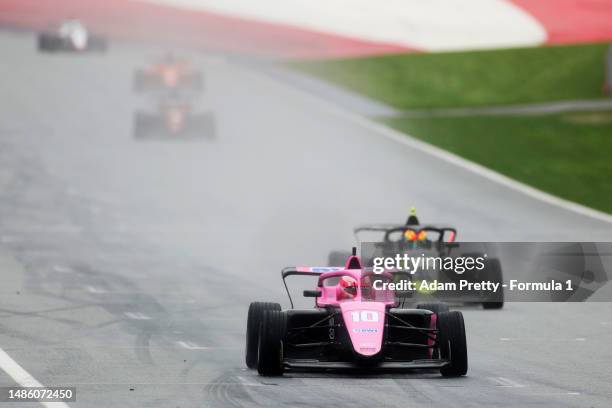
x=137 y=316
x=407 y=140
x=23 y=378
x=191 y=346
x=95 y=290
x=248 y=383
x=506 y=382
x=62 y=269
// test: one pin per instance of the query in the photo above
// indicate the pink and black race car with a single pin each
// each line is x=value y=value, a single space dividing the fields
x=354 y=325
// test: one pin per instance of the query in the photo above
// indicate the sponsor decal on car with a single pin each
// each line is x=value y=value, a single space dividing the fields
x=325 y=269
x=365 y=330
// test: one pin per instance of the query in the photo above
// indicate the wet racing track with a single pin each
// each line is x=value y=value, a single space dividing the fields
x=127 y=266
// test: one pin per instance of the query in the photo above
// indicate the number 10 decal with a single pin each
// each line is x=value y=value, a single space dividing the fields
x=365 y=316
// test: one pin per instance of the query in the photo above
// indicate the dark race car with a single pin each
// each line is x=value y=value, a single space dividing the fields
x=416 y=239
x=70 y=36
x=354 y=325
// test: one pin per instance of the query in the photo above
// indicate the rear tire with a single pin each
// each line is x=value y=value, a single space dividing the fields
x=452 y=343
x=255 y=316
x=437 y=307
x=493 y=273
x=144 y=125
x=271 y=336
x=46 y=42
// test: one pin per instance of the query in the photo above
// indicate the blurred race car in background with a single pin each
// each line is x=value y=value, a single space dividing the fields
x=355 y=324
x=431 y=241
x=411 y=233
x=169 y=73
x=72 y=36
x=174 y=119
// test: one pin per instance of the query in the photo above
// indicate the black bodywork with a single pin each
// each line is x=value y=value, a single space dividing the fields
x=318 y=338
x=440 y=242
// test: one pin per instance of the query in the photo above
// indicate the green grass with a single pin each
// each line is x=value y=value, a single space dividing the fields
x=508 y=76
x=569 y=155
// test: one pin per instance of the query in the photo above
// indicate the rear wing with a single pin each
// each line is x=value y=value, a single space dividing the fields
x=373 y=228
x=305 y=271
x=449 y=233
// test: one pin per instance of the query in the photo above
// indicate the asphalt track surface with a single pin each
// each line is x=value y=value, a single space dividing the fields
x=127 y=267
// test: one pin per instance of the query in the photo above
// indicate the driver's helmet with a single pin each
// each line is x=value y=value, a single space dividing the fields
x=412 y=235
x=412 y=218
x=347 y=288
x=413 y=221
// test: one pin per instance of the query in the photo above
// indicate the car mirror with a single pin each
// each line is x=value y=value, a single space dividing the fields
x=312 y=293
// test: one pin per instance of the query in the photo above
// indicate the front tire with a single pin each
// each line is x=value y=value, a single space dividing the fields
x=144 y=125
x=47 y=42
x=452 y=343
x=271 y=336
x=254 y=318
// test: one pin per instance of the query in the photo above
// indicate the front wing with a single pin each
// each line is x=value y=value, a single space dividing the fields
x=314 y=365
